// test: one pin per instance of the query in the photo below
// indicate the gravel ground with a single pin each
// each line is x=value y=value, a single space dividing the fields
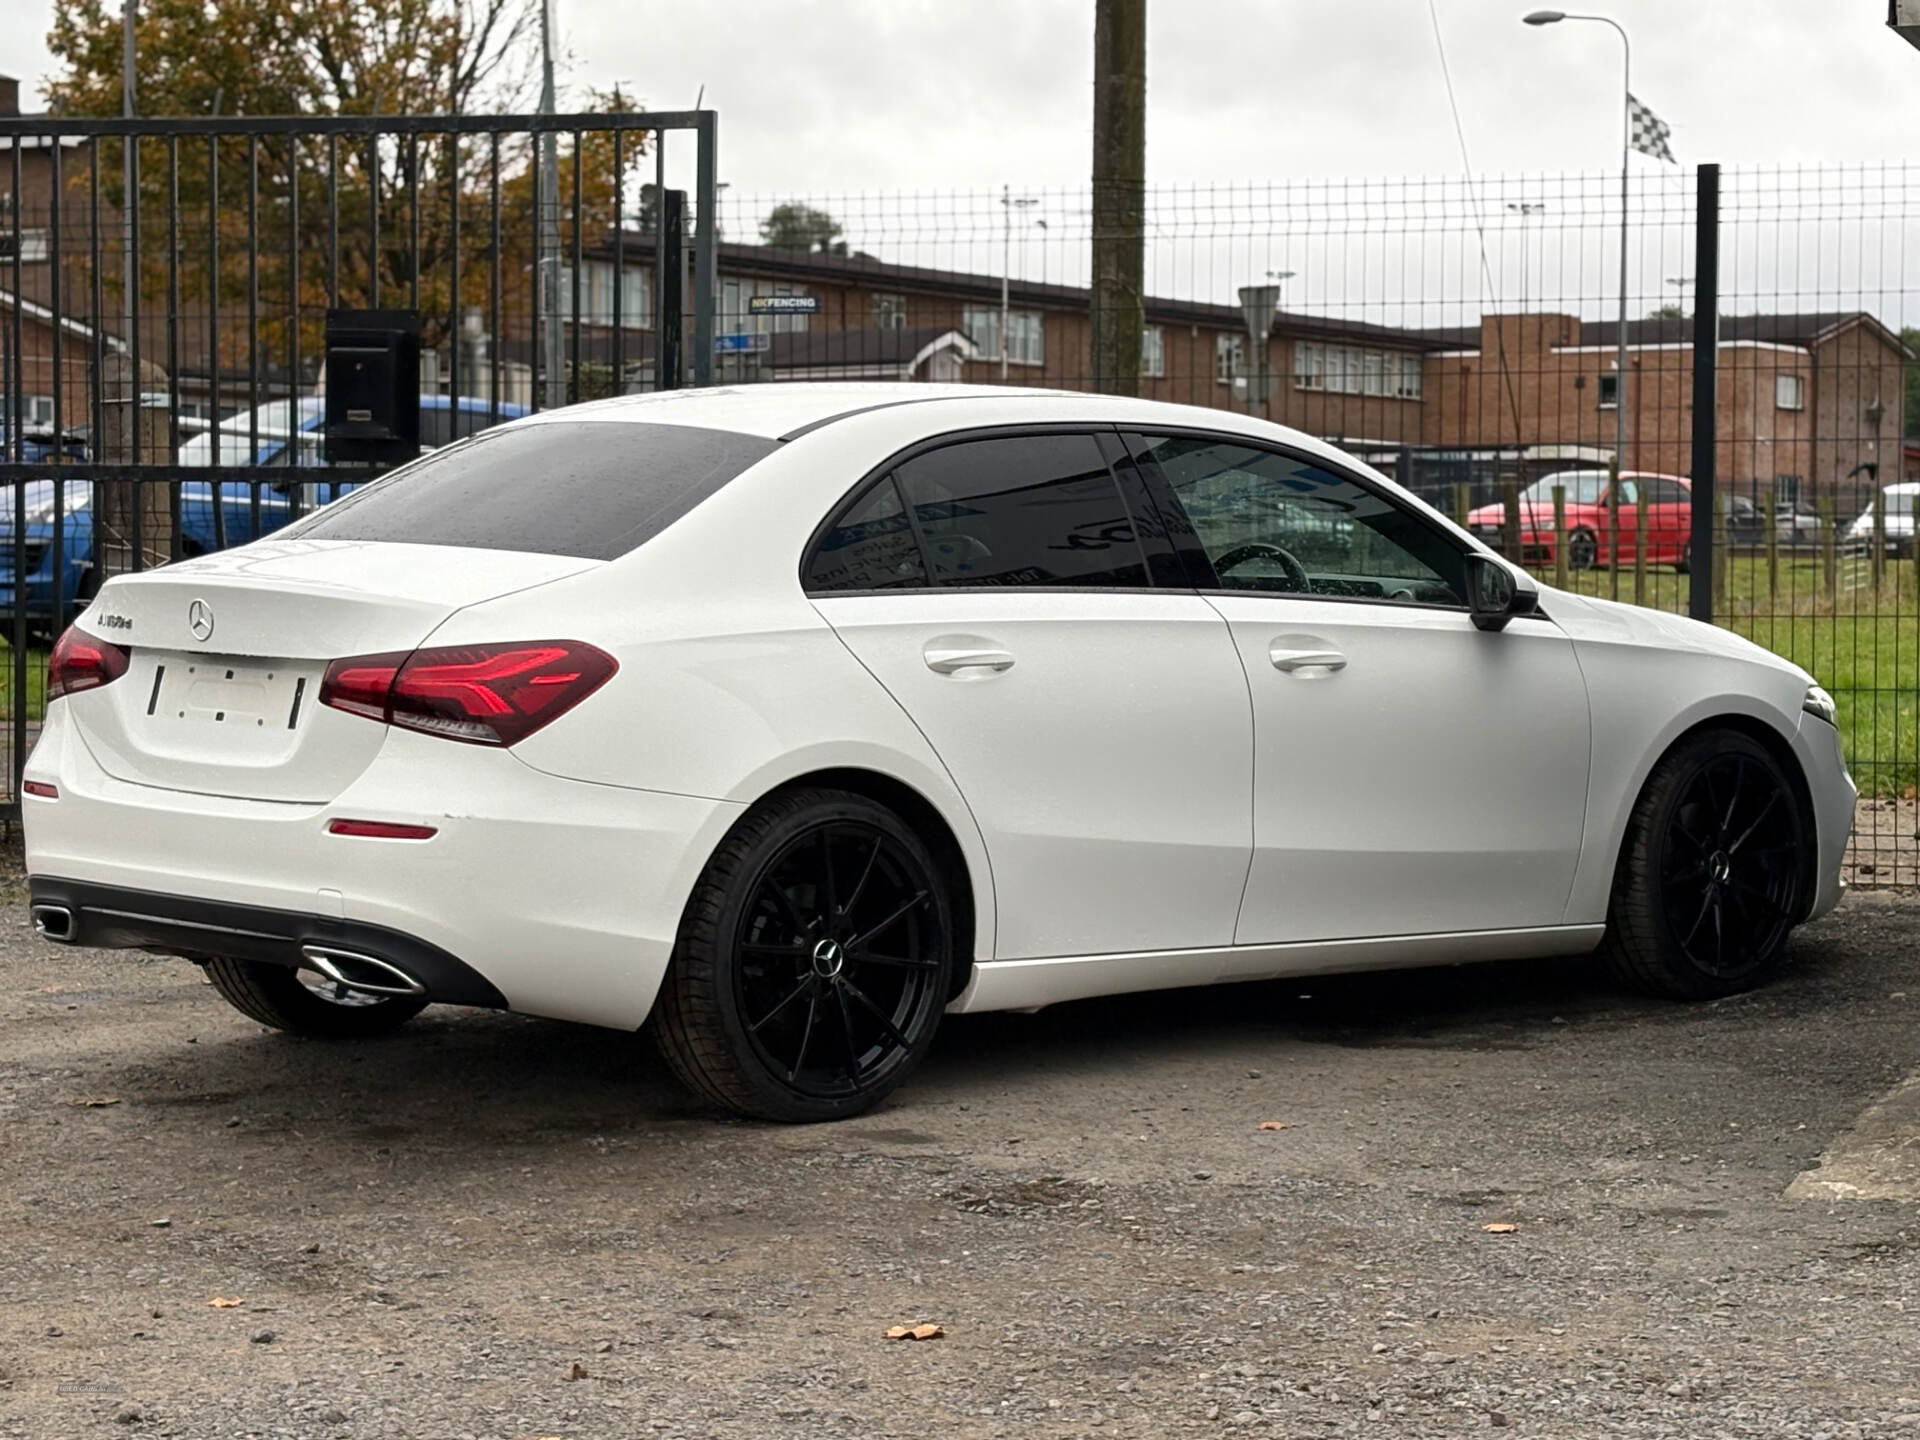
x=491 y=1226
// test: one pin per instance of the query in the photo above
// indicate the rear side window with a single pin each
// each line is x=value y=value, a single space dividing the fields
x=869 y=547
x=590 y=488
x=1022 y=510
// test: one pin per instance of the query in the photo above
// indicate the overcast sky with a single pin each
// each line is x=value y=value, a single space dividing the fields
x=844 y=95
x=843 y=98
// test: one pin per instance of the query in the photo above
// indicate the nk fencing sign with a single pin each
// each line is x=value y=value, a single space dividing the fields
x=783 y=304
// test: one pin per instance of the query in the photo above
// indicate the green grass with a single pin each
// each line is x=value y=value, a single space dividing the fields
x=36 y=682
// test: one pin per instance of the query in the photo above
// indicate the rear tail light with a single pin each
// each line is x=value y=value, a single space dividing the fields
x=82 y=662
x=483 y=694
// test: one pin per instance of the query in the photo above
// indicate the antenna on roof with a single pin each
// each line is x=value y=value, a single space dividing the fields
x=699 y=96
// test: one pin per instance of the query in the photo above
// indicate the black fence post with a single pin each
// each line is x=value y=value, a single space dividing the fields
x=1706 y=362
x=667 y=331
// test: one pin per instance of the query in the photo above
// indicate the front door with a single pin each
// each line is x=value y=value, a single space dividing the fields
x=1096 y=723
x=1412 y=774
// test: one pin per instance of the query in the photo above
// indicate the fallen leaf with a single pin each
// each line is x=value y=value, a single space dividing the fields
x=916 y=1332
x=226 y=1302
x=1500 y=1227
x=578 y=1372
x=1273 y=1125
x=95 y=1102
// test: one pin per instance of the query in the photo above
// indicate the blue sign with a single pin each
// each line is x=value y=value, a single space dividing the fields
x=738 y=344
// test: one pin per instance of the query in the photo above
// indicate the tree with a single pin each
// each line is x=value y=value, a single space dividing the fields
x=794 y=226
x=324 y=58
x=1668 y=311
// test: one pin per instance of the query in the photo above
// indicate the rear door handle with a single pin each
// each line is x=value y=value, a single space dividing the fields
x=1291 y=660
x=949 y=662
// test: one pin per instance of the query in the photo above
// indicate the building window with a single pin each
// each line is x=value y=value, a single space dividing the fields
x=596 y=294
x=1026 y=331
x=1789 y=392
x=1412 y=373
x=889 y=312
x=1309 y=367
x=1609 y=392
x=1229 y=357
x=1153 y=353
x=1374 y=372
x=1786 y=491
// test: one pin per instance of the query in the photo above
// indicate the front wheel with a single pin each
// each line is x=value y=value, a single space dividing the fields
x=1583 y=549
x=812 y=964
x=306 y=1003
x=1712 y=874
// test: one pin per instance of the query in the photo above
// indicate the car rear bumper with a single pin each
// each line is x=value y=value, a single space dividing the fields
x=553 y=897
x=76 y=912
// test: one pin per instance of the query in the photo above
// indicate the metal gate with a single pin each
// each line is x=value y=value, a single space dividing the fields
x=164 y=285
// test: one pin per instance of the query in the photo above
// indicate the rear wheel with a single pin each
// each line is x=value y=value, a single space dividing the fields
x=812 y=964
x=307 y=1003
x=1583 y=549
x=1711 y=877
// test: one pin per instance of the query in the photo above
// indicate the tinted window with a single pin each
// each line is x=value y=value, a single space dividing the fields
x=1270 y=522
x=1667 y=492
x=869 y=547
x=590 y=488
x=1031 y=510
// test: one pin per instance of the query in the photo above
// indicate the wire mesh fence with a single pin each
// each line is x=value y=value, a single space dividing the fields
x=1472 y=339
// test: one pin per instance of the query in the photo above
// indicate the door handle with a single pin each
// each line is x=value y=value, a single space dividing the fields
x=1291 y=660
x=950 y=662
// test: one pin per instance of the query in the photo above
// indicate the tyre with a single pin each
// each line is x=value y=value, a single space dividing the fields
x=1712 y=874
x=812 y=963
x=1583 y=549
x=1683 y=564
x=307 y=1004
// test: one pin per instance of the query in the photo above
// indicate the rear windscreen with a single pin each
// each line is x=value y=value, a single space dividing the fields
x=591 y=488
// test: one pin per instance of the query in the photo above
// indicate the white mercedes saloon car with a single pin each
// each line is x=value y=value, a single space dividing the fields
x=783 y=720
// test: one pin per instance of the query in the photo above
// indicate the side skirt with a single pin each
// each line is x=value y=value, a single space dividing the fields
x=1029 y=984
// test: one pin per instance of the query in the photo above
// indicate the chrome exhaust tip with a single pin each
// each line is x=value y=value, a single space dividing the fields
x=53 y=921
x=366 y=973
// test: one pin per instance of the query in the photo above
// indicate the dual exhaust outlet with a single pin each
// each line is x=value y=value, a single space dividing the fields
x=354 y=969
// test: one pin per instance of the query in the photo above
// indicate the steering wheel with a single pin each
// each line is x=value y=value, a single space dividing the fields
x=1260 y=550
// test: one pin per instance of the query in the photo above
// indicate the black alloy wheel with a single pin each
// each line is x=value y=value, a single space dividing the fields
x=1730 y=864
x=1713 y=877
x=814 y=962
x=1583 y=550
x=838 y=959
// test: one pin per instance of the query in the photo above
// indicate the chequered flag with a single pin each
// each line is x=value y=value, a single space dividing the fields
x=1650 y=132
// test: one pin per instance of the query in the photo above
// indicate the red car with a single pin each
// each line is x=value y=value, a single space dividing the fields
x=1669 y=519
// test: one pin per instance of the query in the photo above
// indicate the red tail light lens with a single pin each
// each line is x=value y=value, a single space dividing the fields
x=83 y=662
x=483 y=694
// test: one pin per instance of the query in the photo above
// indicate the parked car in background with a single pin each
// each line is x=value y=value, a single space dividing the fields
x=40 y=443
x=1794 y=525
x=213 y=515
x=1898 y=501
x=1669 y=519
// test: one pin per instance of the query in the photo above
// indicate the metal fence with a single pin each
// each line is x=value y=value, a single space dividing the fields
x=1462 y=336
x=1466 y=338
x=164 y=293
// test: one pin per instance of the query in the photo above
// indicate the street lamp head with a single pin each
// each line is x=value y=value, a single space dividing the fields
x=1544 y=17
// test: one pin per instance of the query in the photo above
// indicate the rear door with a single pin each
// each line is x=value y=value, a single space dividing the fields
x=1012 y=593
x=1669 y=518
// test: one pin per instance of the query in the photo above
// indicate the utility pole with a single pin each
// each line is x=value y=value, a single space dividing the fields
x=1119 y=193
x=547 y=252
x=1009 y=202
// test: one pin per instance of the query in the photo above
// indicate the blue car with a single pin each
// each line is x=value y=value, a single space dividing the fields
x=57 y=586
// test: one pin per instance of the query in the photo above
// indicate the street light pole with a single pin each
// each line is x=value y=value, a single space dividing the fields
x=1554 y=17
x=1009 y=202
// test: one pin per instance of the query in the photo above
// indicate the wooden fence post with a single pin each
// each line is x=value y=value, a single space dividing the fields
x=1560 y=536
x=1722 y=545
x=1460 y=507
x=1640 y=545
x=1767 y=513
x=1829 y=550
x=1879 y=539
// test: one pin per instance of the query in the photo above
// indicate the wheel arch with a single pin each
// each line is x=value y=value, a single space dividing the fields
x=1771 y=739
x=971 y=902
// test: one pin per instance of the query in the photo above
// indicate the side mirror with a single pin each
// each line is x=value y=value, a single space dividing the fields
x=1496 y=592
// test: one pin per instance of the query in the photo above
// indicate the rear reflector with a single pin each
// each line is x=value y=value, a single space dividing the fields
x=83 y=662
x=482 y=694
x=41 y=788
x=381 y=830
